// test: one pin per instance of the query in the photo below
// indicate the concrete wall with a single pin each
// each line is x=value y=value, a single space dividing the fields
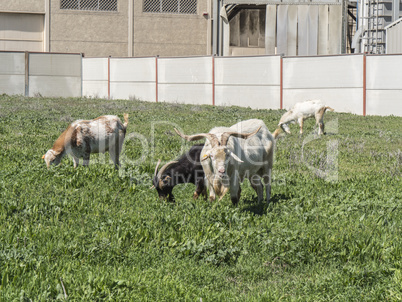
x=12 y=73
x=23 y=6
x=170 y=34
x=96 y=34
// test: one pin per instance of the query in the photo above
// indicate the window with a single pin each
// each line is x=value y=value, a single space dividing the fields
x=93 y=5
x=170 y=6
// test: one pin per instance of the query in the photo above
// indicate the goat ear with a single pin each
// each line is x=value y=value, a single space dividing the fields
x=235 y=157
x=43 y=157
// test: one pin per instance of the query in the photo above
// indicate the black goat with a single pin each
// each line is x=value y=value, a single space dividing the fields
x=186 y=169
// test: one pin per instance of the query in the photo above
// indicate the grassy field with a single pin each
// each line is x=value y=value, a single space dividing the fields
x=332 y=232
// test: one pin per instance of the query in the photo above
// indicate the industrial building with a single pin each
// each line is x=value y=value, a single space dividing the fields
x=128 y=28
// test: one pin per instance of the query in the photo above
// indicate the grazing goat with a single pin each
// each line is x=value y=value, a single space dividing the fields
x=81 y=138
x=186 y=169
x=302 y=111
x=229 y=156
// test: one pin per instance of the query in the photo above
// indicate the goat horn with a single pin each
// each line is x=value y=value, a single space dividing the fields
x=211 y=137
x=164 y=167
x=225 y=136
x=157 y=166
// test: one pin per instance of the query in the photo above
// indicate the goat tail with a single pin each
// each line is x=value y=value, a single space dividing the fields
x=125 y=115
x=329 y=108
x=276 y=132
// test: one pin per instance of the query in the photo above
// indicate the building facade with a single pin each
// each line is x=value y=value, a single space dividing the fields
x=99 y=28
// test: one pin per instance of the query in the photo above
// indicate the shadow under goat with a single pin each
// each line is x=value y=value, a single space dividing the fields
x=186 y=169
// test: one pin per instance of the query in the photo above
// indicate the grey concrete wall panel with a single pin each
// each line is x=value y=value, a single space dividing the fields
x=270 y=30
x=95 y=77
x=292 y=30
x=323 y=30
x=55 y=75
x=12 y=73
x=248 y=81
x=282 y=31
x=51 y=86
x=133 y=78
x=42 y=64
x=337 y=80
x=383 y=83
x=334 y=29
x=185 y=80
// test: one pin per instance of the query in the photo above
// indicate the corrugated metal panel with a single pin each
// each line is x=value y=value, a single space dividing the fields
x=302 y=37
x=12 y=73
x=394 y=40
x=313 y=30
x=282 y=30
x=270 y=30
x=335 y=29
x=292 y=30
x=323 y=30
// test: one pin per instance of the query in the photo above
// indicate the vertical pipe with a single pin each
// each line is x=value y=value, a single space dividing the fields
x=281 y=84
x=213 y=81
x=395 y=10
x=46 y=31
x=130 y=28
x=215 y=27
x=108 y=78
x=26 y=73
x=156 y=80
x=364 y=84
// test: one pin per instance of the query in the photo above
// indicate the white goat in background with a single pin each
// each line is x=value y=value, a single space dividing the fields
x=304 y=110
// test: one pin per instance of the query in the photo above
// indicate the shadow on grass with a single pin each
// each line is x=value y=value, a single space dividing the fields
x=261 y=208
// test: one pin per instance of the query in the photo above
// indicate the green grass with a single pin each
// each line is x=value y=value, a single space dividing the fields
x=331 y=233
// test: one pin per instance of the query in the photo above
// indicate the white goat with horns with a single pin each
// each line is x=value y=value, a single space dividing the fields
x=230 y=156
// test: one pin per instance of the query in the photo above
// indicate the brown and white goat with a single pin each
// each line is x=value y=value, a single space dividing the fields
x=230 y=156
x=82 y=137
x=304 y=110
